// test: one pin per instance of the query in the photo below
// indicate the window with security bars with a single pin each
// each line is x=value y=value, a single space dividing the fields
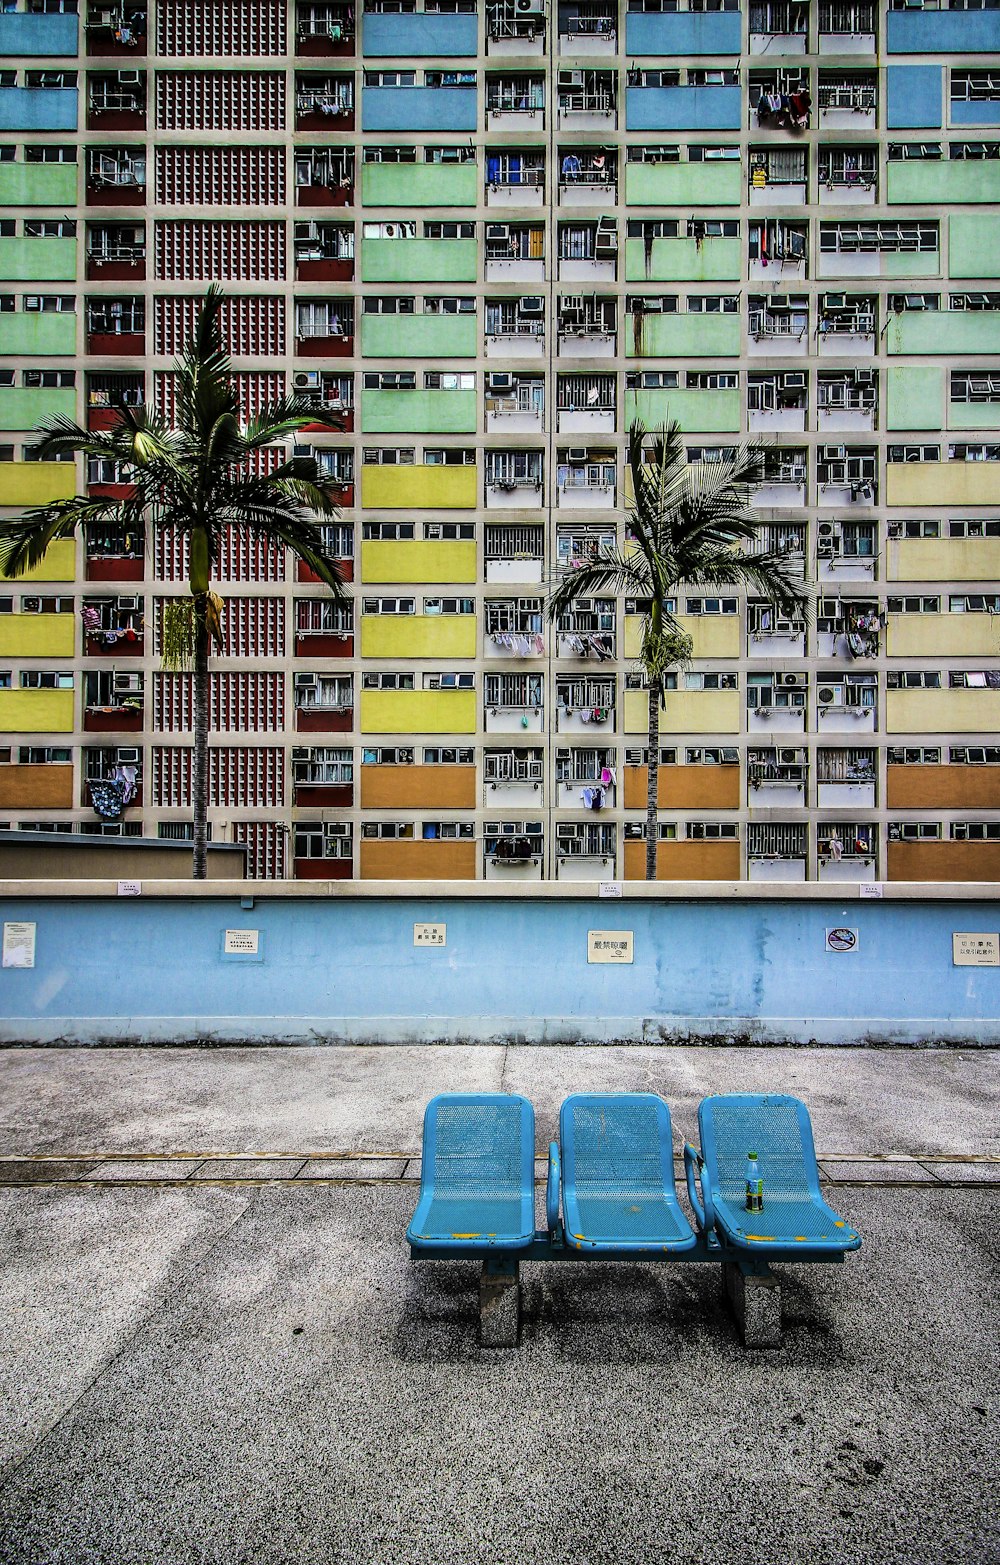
x=777 y=841
x=239 y=777
x=255 y=391
x=265 y=842
x=585 y=839
x=505 y=691
x=237 y=703
x=220 y=176
x=324 y=616
x=244 y=555
x=226 y=252
x=252 y=28
x=220 y=100
x=252 y=327
x=514 y=543
x=251 y=627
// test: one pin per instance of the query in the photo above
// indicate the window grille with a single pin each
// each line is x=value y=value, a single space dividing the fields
x=237 y=703
x=252 y=28
x=514 y=543
x=513 y=690
x=777 y=841
x=252 y=327
x=220 y=100
x=220 y=176
x=229 y=252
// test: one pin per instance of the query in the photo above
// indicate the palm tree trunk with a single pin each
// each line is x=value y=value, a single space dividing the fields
x=200 y=790
x=652 y=777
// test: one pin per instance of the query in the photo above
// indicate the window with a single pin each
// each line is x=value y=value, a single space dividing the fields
x=727 y=756
x=449 y=230
x=449 y=681
x=449 y=755
x=388 y=605
x=450 y=456
x=913 y=679
x=45 y=679
x=439 y=380
x=446 y=830
x=390 y=78
x=979 y=452
x=699 y=681
x=902 y=755
x=383 y=304
x=387 y=682
x=914 y=831
x=914 y=453
x=449 y=306
x=974 y=755
x=449 y=605
x=974 y=831
x=713 y=304
x=388 y=456
x=974 y=386
x=972 y=527
x=713 y=831
x=978 y=679
x=712 y=606
x=974 y=603
x=388 y=530
x=884 y=238
x=914 y=605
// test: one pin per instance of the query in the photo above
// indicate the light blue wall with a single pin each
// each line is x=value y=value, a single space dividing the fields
x=38 y=108
x=345 y=968
x=943 y=32
x=22 y=34
x=913 y=95
x=418 y=35
x=682 y=108
x=418 y=108
x=975 y=113
x=684 y=32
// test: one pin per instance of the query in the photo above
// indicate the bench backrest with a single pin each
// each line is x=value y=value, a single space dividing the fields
x=479 y=1143
x=616 y=1141
x=775 y=1126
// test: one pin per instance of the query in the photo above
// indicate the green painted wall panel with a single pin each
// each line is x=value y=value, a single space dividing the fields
x=973 y=245
x=417 y=336
x=22 y=407
x=934 y=182
x=38 y=260
x=418 y=412
x=684 y=336
x=34 y=334
x=684 y=184
x=419 y=184
x=38 y=184
x=682 y=260
x=419 y=260
x=697 y=412
x=911 y=263
x=974 y=415
x=944 y=331
x=914 y=396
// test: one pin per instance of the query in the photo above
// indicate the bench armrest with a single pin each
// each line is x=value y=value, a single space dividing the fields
x=552 y=1189
x=704 y=1211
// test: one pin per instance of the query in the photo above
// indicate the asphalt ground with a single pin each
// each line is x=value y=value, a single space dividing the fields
x=255 y=1372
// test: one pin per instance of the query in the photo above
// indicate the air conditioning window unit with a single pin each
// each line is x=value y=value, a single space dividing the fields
x=792 y=681
x=795 y=381
x=788 y=757
x=307 y=380
x=128 y=605
x=498 y=231
x=571 y=78
x=577 y=454
x=128 y=756
x=826 y=695
x=127 y=684
x=129 y=78
x=501 y=382
x=305 y=681
x=300 y=754
x=532 y=304
x=529 y=7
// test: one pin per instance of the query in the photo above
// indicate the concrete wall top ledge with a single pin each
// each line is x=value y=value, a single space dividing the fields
x=482 y=891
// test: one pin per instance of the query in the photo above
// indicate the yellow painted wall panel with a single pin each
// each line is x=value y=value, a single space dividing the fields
x=37 y=711
x=686 y=712
x=418 y=711
x=424 y=486
x=941 y=635
x=418 y=636
x=37 y=635
x=36 y=483
x=944 y=559
x=942 y=483
x=942 y=711
x=714 y=635
x=417 y=560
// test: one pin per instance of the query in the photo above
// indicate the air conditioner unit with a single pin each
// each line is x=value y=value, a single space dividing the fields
x=792 y=681
x=307 y=380
x=795 y=381
x=127 y=684
x=532 y=304
x=128 y=756
x=129 y=78
x=300 y=753
x=501 y=382
x=128 y=605
x=829 y=531
x=788 y=757
x=529 y=7
x=577 y=454
x=497 y=231
x=826 y=695
x=566 y=832
x=835 y=453
x=570 y=78
x=865 y=377
x=305 y=681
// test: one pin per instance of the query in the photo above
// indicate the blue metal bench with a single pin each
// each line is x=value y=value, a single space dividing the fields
x=611 y=1195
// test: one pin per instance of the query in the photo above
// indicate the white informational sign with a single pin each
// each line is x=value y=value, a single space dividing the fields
x=609 y=888
x=130 y=888
x=870 y=889
x=241 y=942
x=981 y=950
x=610 y=945
x=430 y=934
x=19 y=945
x=841 y=940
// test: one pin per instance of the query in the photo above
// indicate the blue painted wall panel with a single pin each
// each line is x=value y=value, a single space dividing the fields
x=418 y=108
x=418 y=35
x=914 y=96
x=942 y=32
x=682 y=108
x=683 y=33
x=23 y=34
x=347 y=968
x=38 y=108
x=975 y=113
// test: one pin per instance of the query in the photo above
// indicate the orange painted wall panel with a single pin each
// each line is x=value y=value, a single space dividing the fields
x=417 y=860
x=418 y=787
x=947 y=787
x=685 y=861
x=686 y=787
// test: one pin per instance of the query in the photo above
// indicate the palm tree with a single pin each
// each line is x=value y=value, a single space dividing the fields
x=688 y=523
x=205 y=475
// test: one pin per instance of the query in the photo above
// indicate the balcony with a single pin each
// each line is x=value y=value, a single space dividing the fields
x=513 y=850
x=777 y=852
x=847 y=28
x=776 y=703
x=847 y=102
x=846 y=703
x=846 y=852
x=116 y=178
x=849 y=177
x=846 y=779
x=513 y=703
x=324 y=252
x=116 y=327
x=108 y=33
x=116 y=102
x=113 y=627
x=110 y=784
x=847 y=325
x=777 y=402
x=587 y=29
x=515 y=103
x=514 y=630
x=514 y=404
x=325 y=31
x=513 y=480
x=586 y=404
x=324 y=329
x=515 y=253
x=316 y=642
x=324 y=103
x=587 y=101
x=585 y=481
x=324 y=177
x=784 y=484
x=116 y=254
x=512 y=778
x=773 y=635
x=115 y=553
x=119 y=717
x=778 y=250
x=777 y=777
x=585 y=706
x=588 y=177
x=514 y=179
x=587 y=327
x=514 y=554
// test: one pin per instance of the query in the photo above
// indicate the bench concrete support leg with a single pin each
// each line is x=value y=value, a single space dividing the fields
x=500 y=1303
x=755 y=1300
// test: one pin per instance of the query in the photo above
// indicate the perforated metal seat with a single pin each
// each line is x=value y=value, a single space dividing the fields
x=618 y=1175
x=778 y=1129
x=477 y=1180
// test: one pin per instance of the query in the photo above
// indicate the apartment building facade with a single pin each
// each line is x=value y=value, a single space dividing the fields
x=482 y=240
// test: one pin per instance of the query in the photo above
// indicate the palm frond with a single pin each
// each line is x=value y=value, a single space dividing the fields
x=25 y=539
x=611 y=572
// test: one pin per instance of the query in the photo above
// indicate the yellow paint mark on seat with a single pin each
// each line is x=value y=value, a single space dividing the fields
x=838 y=1224
x=468 y=1236
x=801 y=1238
x=761 y=1238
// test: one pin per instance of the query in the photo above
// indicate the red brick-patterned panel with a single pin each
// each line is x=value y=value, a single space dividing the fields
x=237 y=703
x=226 y=252
x=252 y=326
x=220 y=100
x=238 y=777
x=220 y=176
x=252 y=28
